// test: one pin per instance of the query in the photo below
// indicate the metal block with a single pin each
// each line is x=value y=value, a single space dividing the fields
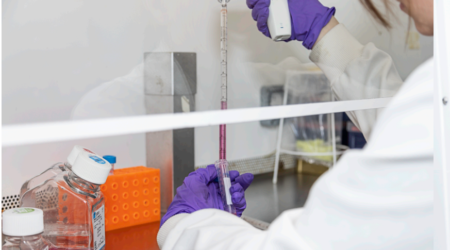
x=170 y=73
x=170 y=82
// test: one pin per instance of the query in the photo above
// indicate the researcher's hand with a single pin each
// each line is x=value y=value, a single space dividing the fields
x=308 y=17
x=200 y=190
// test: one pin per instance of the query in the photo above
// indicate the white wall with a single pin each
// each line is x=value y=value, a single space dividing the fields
x=55 y=51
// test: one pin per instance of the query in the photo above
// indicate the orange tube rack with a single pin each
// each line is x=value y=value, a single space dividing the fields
x=132 y=197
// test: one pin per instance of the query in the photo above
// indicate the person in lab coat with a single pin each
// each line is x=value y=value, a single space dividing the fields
x=380 y=197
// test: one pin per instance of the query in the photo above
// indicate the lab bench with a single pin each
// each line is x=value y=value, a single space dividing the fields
x=265 y=201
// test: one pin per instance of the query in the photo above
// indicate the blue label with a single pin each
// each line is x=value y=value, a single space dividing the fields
x=97 y=159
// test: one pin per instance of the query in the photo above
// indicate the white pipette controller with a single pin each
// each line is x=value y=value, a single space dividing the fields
x=279 y=21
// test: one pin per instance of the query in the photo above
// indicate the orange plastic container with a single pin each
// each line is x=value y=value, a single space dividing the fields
x=132 y=197
x=141 y=237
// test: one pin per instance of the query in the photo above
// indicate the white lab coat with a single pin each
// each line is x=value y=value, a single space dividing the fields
x=380 y=197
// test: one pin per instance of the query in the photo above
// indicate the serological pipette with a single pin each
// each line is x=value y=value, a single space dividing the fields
x=223 y=175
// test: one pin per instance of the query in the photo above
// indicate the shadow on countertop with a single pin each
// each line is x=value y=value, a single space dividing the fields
x=265 y=200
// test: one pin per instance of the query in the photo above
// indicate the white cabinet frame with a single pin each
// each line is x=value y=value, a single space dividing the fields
x=442 y=125
x=14 y=135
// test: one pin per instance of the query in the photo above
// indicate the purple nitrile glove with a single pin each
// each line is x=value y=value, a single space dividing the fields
x=200 y=190
x=308 y=17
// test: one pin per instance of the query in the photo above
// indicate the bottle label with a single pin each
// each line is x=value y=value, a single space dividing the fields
x=97 y=159
x=23 y=210
x=98 y=221
x=227 y=184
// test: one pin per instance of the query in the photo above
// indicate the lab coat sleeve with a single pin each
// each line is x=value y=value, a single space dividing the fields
x=356 y=72
x=167 y=226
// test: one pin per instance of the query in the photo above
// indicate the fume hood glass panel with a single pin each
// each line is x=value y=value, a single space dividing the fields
x=81 y=61
x=189 y=89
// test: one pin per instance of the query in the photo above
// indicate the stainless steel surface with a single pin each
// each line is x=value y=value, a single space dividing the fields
x=185 y=73
x=170 y=81
x=265 y=201
x=158 y=74
x=159 y=152
x=170 y=73
x=183 y=156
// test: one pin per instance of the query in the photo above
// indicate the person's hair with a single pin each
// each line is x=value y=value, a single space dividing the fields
x=383 y=19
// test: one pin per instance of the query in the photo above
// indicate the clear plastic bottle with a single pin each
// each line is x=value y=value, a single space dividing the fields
x=54 y=170
x=22 y=229
x=73 y=204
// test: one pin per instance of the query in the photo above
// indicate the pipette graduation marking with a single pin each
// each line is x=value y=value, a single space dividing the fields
x=223 y=174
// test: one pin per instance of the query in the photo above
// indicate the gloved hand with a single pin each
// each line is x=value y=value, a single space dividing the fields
x=200 y=190
x=308 y=17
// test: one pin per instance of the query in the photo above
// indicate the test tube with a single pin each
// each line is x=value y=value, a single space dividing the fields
x=223 y=176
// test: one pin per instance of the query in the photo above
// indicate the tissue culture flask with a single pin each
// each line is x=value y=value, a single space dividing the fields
x=54 y=170
x=69 y=203
x=49 y=173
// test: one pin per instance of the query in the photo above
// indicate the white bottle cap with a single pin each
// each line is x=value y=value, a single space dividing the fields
x=91 y=167
x=74 y=153
x=23 y=221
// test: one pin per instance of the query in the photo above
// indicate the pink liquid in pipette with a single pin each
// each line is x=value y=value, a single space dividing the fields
x=223 y=137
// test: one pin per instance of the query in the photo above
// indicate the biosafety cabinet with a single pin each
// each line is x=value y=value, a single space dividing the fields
x=46 y=75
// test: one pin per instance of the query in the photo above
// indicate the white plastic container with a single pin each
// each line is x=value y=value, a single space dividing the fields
x=73 y=204
x=279 y=21
x=22 y=228
x=54 y=170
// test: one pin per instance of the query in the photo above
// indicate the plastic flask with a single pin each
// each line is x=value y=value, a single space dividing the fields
x=73 y=205
x=54 y=170
x=112 y=159
x=22 y=229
